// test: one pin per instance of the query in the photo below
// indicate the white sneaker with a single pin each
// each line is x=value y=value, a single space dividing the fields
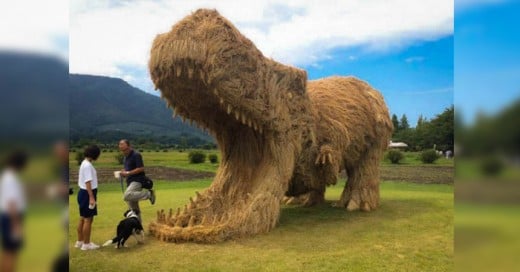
x=89 y=246
x=78 y=244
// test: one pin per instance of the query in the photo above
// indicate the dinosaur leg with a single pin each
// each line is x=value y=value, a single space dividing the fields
x=361 y=190
x=314 y=197
x=326 y=172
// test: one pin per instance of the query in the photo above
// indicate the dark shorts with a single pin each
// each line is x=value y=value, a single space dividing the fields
x=9 y=242
x=84 y=211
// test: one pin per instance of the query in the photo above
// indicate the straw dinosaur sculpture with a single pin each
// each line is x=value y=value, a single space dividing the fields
x=279 y=135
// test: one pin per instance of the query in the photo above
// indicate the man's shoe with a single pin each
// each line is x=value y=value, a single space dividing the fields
x=152 y=196
x=78 y=244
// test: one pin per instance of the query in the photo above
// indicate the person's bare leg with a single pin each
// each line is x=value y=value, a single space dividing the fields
x=80 y=229
x=87 y=226
x=8 y=261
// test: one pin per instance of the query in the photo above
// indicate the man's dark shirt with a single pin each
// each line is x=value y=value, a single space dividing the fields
x=131 y=162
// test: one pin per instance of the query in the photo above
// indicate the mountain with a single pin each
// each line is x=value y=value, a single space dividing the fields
x=108 y=109
x=34 y=105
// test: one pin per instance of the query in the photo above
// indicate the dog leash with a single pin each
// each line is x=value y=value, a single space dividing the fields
x=121 y=181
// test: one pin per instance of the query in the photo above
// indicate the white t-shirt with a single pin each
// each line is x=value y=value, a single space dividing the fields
x=11 y=190
x=87 y=172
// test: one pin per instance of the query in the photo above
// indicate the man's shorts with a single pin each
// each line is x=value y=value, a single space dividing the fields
x=9 y=242
x=83 y=203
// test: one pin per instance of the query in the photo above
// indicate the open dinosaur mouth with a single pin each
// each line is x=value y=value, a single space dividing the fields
x=216 y=114
x=194 y=97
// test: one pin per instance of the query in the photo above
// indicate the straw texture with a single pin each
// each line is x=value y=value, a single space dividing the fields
x=280 y=136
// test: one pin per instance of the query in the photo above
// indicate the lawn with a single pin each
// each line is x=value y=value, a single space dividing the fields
x=44 y=237
x=487 y=237
x=411 y=231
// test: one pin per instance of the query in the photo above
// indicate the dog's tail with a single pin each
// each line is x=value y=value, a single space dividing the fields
x=111 y=241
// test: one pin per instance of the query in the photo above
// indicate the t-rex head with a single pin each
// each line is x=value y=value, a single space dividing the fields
x=210 y=73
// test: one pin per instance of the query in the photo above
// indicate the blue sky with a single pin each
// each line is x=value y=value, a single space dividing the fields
x=414 y=80
x=487 y=58
x=403 y=48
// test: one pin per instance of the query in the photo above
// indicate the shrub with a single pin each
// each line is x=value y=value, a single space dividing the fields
x=79 y=156
x=492 y=166
x=395 y=156
x=429 y=156
x=213 y=158
x=196 y=157
x=141 y=151
x=119 y=158
x=165 y=150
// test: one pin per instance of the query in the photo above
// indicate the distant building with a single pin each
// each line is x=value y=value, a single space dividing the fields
x=397 y=145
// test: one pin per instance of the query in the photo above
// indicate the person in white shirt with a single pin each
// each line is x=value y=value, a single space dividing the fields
x=87 y=196
x=12 y=209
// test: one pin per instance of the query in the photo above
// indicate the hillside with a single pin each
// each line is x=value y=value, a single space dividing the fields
x=33 y=106
x=108 y=109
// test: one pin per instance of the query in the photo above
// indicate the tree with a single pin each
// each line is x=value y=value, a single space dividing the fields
x=395 y=122
x=183 y=143
x=404 y=123
x=420 y=121
x=438 y=131
x=442 y=129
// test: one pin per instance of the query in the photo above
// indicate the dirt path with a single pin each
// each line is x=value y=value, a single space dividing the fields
x=417 y=174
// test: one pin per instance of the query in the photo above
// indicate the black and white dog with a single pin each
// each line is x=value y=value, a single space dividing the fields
x=131 y=225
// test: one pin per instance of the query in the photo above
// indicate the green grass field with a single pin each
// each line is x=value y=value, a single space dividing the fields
x=44 y=237
x=487 y=237
x=179 y=160
x=152 y=158
x=411 y=231
x=412 y=158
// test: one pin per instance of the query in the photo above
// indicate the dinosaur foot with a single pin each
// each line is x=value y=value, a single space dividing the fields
x=362 y=200
x=212 y=220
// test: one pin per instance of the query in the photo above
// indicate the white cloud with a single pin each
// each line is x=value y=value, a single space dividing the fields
x=414 y=59
x=35 y=26
x=104 y=37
